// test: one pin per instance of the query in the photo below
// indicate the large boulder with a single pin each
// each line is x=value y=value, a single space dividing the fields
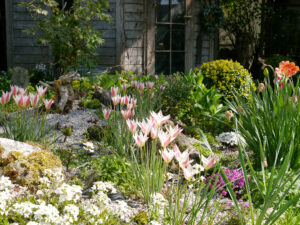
x=26 y=163
x=20 y=77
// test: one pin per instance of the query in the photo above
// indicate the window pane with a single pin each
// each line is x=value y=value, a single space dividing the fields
x=163 y=10
x=178 y=37
x=178 y=11
x=162 y=37
x=177 y=62
x=162 y=62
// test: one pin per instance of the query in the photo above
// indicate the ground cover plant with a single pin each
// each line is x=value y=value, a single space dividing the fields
x=135 y=154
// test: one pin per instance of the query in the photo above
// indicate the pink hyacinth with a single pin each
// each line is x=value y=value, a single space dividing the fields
x=106 y=113
x=48 y=103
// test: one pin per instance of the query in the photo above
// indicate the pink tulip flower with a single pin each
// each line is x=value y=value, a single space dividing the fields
x=124 y=88
x=5 y=98
x=150 y=85
x=155 y=77
x=106 y=113
x=151 y=95
x=116 y=99
x=141 y=87
x=174 y=131
x=132 y=113
x=48 y=103
x=168 y=155
x=145 y=126
x=41 y=91
x=126 y=114
x=133 y=102
x=164 y=138
x=140 y=139
x=209 y=162
x=159 y=118
x=134 y=83
x=154 y=131
x=22 y=91
x=125 y=100
x=188 y=172
x=34 y=99
x=162 y=88
x=114 y=91
x=132 y=125
x=14 y=89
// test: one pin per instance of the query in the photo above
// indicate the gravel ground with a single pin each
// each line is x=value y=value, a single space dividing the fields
x=79 y=120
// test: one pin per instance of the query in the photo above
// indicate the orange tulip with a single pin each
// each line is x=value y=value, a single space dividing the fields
x=288 y=69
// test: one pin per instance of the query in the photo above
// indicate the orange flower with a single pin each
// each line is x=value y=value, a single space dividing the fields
x=288 y=69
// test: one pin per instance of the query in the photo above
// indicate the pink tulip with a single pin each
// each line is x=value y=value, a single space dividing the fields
x=159 y=118
x=126 y=114
x=162 y=88
x=154 y=131
x=174 y=131
x=152 y=95
x=209 y=162
x=22 y=91
x=116 y=99
x=164 y=138
x=140 y=139
x=188 y=172
x=167 y=155
x=141 y=87
x=182 y=158
x=41 y=91
x=132 y=125
x=14 y=89
x=150 y=84
x=114 y=91
x=123 y=86
x=34 y=99
x=22 y=100
x=155 y=77
x=125 y=100
x=134 y=84
x=5 y=98
x=106 y=113
x=145 y=126
x=48 y=103
x=129 y=106
x=132 y=113
x=133 y=102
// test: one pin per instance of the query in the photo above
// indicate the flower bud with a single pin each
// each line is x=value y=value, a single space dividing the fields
x=229 y=114
x=261 y=87
x=266 y=72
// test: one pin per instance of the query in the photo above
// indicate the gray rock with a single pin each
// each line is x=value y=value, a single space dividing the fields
x=104 y=96
x=20 y=77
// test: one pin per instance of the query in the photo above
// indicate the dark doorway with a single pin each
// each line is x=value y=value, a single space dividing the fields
x=3 y=61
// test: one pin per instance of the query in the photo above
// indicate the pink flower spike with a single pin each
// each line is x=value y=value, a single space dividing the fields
x=162 y=88
x=132 y=125
x=14 y=89
x=34 y=99
x=116 y=99
x=124 y=88
x=164 y=138
x=140 y=139
x=48 y=103
x=209 y=162
x=145 y=126
x=106 y=113
x=167 y=155
x=159 y=118
x=114 y=91
x=41 y=91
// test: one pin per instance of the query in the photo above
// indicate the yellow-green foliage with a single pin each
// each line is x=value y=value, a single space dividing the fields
x=227 y=75
x=26 y=170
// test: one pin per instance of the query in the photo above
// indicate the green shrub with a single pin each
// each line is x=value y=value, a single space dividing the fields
x=92 y=104
x=227 y=75
x=5 y=80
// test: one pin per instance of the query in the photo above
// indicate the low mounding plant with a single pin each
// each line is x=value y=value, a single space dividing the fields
x=271 y=120
x=227 y=75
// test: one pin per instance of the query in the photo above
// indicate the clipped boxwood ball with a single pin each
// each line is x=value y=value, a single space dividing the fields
x=227 y=75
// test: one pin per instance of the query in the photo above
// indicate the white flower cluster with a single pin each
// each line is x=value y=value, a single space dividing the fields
x=158 y=203
x=68 y=192
x=230 y=138
x=66 y=204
